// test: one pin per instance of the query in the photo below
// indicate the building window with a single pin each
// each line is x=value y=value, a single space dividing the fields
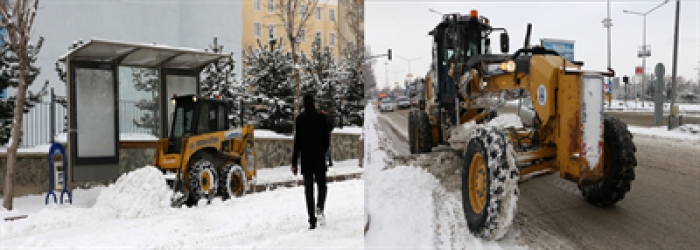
x=256 y=29
x=271 y=30
x=271 y=6
x=302 y=10
x=302 y=35
x=319 y=36
x=331 y=39
x=318 y=13
x=331 y=15
x=256 y=5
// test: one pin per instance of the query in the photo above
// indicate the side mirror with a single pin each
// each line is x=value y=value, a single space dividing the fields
x=505 y=42
x=487 y=43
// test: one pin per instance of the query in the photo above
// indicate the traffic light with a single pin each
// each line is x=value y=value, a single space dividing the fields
x=625 y=79
x=389 y=55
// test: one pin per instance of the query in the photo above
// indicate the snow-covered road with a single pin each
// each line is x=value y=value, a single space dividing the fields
x=660 y=211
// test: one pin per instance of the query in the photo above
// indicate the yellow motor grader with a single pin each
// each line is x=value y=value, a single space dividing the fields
x=202 y=157
x=568 y=134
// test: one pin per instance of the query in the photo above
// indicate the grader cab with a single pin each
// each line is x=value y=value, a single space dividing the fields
x=203 y=157
x=568 y=133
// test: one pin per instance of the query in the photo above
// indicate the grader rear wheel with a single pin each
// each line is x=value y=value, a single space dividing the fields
x=422 y=132
x=412 y=135
x=619 y=162
x=489 y=183
x=233 y=182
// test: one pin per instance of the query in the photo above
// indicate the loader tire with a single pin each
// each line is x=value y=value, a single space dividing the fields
x=233 y=182
x=489 y=183
x=203 y=181
x=423 y=131
x=619 y=163
x=412 y=139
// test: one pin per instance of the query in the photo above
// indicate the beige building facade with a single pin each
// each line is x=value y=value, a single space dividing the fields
x=261 y=21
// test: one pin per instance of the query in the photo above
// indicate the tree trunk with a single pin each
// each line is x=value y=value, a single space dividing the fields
x=16 y=133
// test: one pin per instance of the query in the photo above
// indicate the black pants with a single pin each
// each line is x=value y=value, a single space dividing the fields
x=309 y=192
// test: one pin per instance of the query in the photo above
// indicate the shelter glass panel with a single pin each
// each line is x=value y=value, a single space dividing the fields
x=138 y=103
x=95 y=113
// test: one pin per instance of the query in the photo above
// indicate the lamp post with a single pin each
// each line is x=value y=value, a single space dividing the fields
x=386 y=73
x=408 y=61
x=644 y=53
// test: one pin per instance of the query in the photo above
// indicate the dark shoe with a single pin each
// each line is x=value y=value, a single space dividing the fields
x=330 y=164
x=312 y=223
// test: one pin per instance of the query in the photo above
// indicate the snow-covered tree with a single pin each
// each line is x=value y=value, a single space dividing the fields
x=147 y=80
x=61 y=71
x=353 y=85
x=321 y=77
x=295 y=15
x=9 y=78
x=268 y=73
x=17 y=17
x=219 y=80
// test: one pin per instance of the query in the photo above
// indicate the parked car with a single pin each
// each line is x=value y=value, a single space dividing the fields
x=415 y=100
x=403 y=102
x=386 y=105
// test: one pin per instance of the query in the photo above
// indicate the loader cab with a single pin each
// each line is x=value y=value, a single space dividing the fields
x=195 y=115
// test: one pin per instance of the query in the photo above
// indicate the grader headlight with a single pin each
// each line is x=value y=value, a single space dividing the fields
x=508 y=66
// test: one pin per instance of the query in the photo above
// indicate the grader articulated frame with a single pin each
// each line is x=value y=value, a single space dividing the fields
x=569 y=133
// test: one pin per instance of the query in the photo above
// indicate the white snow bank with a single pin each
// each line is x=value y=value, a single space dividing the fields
x=401 y=209
x=139 y=193
x=687 y=134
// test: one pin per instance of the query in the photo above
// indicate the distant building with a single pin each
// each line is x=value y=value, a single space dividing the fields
x=261 y=21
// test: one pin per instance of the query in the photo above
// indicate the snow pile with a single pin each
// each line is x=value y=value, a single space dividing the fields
x=506 y=120
x=459 y=136
x=137 y=194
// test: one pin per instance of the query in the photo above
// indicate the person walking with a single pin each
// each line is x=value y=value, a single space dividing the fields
x=311 y=141
x=329 y=120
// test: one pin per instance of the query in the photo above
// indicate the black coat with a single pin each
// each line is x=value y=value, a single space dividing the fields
x=311 y=140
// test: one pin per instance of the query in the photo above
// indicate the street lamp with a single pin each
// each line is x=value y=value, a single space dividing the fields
x=644 y=54
x=409 y=75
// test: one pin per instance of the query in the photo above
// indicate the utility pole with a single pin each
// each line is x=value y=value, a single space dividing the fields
x=672 y=118
x=645 y=52
x=386 y=73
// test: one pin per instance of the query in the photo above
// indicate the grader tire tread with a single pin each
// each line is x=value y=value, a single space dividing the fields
x=496 y=217
x=411 y=132
x=620 y=169
x=424 y=132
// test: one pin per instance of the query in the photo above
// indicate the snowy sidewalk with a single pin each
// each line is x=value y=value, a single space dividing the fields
x=136 y=213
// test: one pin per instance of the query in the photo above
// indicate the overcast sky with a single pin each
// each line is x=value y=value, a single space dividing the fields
x=403 y=25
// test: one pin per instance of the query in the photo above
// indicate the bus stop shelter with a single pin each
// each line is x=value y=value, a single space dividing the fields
x=92 y=79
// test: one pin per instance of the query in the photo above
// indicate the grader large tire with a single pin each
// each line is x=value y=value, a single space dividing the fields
x=412 y=134
x=489 y=183
x=619 y=163
x=203 y=181
x=423 y=131
x=233 y=182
